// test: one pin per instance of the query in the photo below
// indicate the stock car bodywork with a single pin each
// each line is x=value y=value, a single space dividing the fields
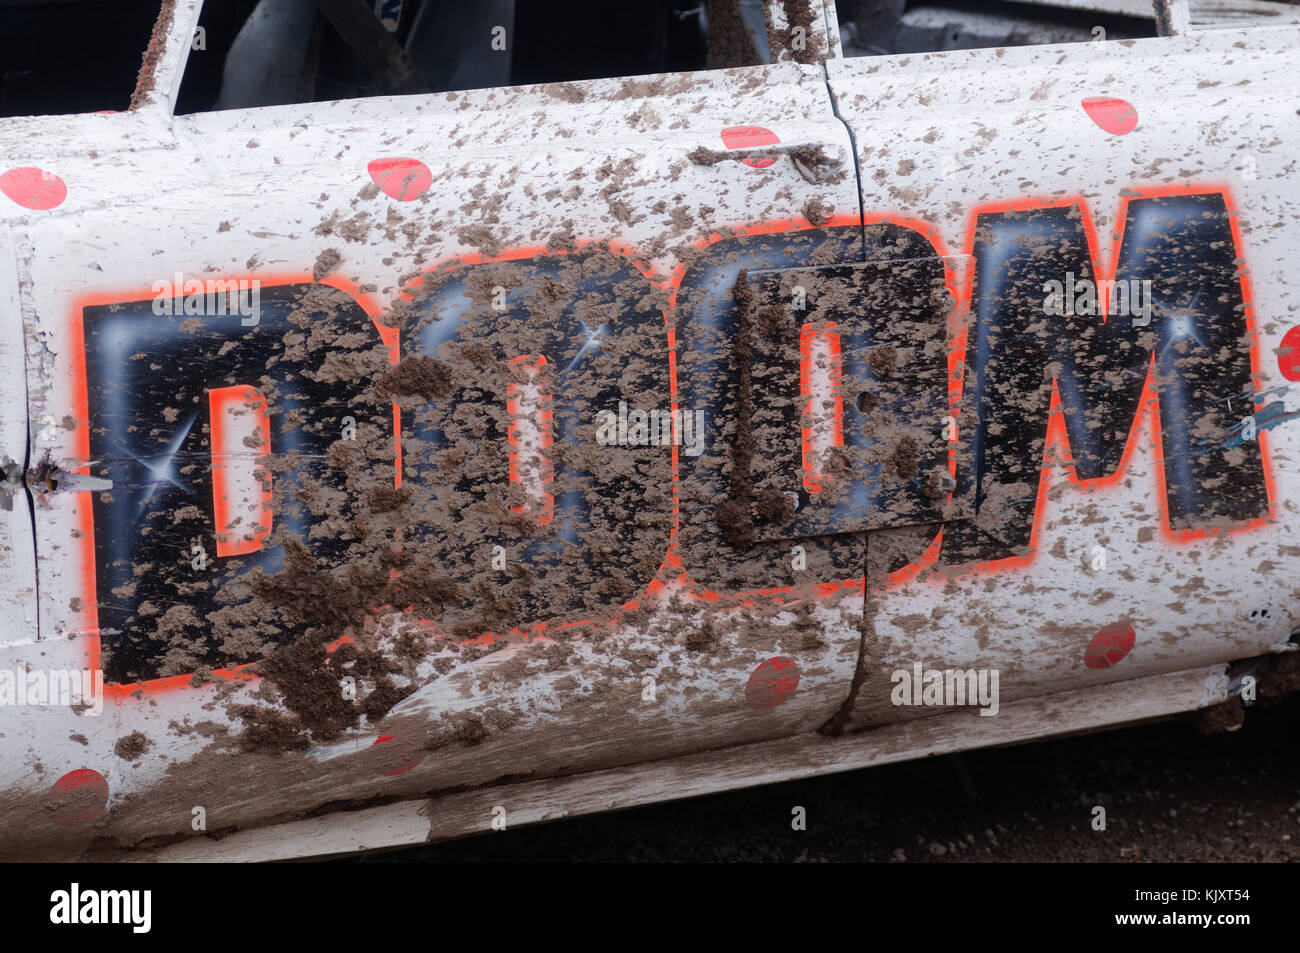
x=410 y=466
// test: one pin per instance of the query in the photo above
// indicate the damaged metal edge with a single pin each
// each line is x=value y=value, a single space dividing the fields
x=530 y=802
x=163 y=67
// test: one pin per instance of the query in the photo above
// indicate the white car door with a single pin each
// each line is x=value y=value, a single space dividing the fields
x=1128 y=355
x=393 y=434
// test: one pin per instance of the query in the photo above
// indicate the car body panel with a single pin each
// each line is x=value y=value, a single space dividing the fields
x=1105 y=557
x=289 y=195
x=470 y=284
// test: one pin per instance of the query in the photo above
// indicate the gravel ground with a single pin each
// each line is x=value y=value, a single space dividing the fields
x=1170 y=794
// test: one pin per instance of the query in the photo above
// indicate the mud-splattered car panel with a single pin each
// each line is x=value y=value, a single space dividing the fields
x=387 y=447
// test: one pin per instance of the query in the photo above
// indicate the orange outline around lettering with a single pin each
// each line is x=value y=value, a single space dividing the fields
x=813 y=478
x=1148 y=404
x=83 y=512
x=960 y=288
x=218 y=399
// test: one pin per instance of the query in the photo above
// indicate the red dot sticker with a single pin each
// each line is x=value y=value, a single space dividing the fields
x=1110 y=645
x=33 y=188
x=79 y=796
x=750 y=137
x=772 y=683
x=1288 y=355
x=1117 y=116
x=402 y=179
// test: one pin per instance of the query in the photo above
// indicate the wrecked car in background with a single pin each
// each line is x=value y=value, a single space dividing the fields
x=404 y=437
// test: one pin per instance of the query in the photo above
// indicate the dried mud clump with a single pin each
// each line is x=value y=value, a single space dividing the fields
x=903 y=457
x=775 y=323
x=703 y=637
x=817 y=210
x=327 y=262
x=882 y=361
x=132 y=747
x=774 y=506
x=417 y=376
x=702 y=155
x=308 y=674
